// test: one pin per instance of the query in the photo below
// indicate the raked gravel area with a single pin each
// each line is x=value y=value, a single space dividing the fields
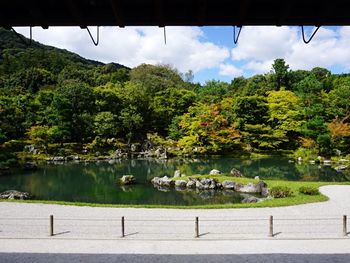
x=309 y=228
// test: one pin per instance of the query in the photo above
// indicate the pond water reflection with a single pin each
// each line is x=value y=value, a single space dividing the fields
x=97 y=182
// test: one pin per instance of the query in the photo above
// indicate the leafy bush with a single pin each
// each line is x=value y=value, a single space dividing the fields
x=306 y=154
x=280 y=191
x=308 y=190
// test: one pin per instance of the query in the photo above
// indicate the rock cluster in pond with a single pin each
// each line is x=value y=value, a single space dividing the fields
x=212 y=184
x=14 y=194
x=206 y=187
x=127 y=180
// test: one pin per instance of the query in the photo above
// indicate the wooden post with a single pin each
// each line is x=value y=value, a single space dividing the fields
x=123 y=226
x=51 y=226
x=345 y=230
x=271 y=227
x=196 y=227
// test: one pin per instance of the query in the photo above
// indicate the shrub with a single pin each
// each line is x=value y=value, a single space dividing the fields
x=308 y=190
x=280 y=191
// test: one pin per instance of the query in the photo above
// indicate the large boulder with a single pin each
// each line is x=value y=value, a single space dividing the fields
x=227 y=184
x=162 y=181
x=191 y=184
x=14 y=194
x=265 y=192
x=180 y=183
x=58 y=159
x=238 y=187
x=214 y=172
x=341 y=168
x=250 y=199
x=253 y=188
x=177 y=173
x=250 y=188
x=235 y=173
x=127 y=180
x=199 y=185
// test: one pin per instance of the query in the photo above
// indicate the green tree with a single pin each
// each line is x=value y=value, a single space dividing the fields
x=280 y=70
x=213 y=91
x=170 y=103
x=285 y=116
x=72 y=108
x=131 y=122
x=105 y=124
x=206 y=130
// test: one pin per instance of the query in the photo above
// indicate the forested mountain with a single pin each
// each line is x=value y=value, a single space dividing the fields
x=54 y=98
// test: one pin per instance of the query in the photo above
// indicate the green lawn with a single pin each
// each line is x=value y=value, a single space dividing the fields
x=296 y=199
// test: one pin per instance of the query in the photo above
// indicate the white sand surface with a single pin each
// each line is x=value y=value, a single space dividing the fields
x=309 y=228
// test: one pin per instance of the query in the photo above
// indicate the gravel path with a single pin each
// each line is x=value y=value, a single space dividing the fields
x=317 y=220
x=317 y=228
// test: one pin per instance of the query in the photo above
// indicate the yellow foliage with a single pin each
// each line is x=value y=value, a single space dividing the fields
x=339 y=128
x=307 y=142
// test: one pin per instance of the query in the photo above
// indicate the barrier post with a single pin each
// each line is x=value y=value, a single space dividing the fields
x=271 y=226
x=51 y=226
x=196 y=227
x=123 y=226
x=345 y=230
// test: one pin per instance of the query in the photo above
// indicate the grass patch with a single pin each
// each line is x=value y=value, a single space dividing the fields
x=296 y=198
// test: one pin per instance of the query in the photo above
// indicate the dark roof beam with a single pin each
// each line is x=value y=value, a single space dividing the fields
x=202 y=11
x=285 y=11
x=37 y=15
x=118 y=11
x=242 y=14
x=158 y=6
x=75 y=13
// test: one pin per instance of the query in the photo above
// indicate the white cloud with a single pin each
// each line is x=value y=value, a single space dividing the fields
x=190 y=48
x=259 y=46
x=258 y=67
x=230 y=70
x=132 y=46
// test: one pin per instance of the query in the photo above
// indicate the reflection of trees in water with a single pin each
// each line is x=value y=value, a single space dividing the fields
x=97 y=182
x=312 y=172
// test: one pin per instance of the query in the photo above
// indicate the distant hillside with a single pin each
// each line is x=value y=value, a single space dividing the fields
x=15 y=56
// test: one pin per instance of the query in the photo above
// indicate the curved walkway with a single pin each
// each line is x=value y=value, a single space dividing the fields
x=309 y=228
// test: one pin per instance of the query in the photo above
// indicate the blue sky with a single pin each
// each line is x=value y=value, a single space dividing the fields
x=208 y=51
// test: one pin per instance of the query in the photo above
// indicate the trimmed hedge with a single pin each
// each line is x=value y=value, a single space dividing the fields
x=280 y=191
x=308 y=190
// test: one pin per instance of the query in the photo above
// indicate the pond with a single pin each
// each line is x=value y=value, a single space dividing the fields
x=97 y=182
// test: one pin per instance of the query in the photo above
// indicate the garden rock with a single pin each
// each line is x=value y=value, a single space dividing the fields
x=162 y=181
x=177 y=173
x=199 y=185
x=341 y=168
x=227 y=184
x=238 y=187
x=214 y=172
x=58 y=159
x=127 y=180
x=180 y=183
x=250 y=188
x=14 y=194
x=251 y=199
x=191 y=184
x=235 y=173
x=265 y=192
